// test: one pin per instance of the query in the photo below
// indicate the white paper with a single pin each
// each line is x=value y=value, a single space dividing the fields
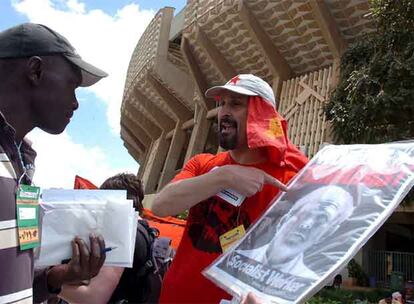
x=27 y=213
x=70 y=213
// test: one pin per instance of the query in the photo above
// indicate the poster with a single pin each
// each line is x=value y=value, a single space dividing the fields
x=309 y=233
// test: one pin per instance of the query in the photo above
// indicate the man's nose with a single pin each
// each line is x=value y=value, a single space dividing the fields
x=224 y=112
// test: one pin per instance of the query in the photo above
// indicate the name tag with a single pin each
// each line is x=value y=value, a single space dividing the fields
x=27 y=206
x=231 y=196
x=230 y=237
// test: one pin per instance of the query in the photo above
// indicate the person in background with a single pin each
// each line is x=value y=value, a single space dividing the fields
x=397 y=296
x=39 y=73
x=337 y=282
x=388 y=300
x=115 y=284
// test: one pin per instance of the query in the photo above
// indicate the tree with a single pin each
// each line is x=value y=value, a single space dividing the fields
x=374 y=101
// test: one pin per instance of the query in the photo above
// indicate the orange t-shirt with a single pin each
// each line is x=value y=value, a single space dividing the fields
x=207 y=220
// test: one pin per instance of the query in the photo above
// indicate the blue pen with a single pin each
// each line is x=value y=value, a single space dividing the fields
x=108 y=249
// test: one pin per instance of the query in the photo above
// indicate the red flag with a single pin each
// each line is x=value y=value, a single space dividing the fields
x=83 y=183
x=266 y=128
x=168 y=226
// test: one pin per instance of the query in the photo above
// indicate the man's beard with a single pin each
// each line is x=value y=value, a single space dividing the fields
x=228 y=141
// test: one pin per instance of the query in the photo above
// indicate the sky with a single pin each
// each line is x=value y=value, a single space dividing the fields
x=104 y=33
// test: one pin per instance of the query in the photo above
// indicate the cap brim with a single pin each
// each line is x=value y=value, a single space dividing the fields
x=90 y=73
x=218 y=90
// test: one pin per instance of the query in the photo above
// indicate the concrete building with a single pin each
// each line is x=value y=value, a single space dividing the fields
x=294 y=45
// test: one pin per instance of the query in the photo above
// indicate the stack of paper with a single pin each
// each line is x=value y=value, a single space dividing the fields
x=69 y=213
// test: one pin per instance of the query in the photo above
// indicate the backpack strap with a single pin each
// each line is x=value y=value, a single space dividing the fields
x=152 y=257
x=162 y=249
x=143 y=260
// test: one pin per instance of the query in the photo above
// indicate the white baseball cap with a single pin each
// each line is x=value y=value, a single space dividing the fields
x=396 y=295
x=245 y=84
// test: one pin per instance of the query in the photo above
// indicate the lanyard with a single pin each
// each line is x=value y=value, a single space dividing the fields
x=27 y=208
x=18 y=146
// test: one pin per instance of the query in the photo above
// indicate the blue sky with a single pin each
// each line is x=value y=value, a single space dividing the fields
x=105 y=34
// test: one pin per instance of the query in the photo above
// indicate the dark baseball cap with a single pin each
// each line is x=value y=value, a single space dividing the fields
x=31 y=39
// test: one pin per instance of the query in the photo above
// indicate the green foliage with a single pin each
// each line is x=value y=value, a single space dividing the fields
x=356 y=271
x=341 y=296
x=183 y=215
x=374 y=101
x=320 y=300
x=393 y=16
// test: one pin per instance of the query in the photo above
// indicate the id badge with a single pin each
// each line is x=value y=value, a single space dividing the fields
x=27 y=206
x=231 y=196
x=230 y=237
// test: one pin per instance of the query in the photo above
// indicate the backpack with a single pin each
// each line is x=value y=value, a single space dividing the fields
x=152 y=257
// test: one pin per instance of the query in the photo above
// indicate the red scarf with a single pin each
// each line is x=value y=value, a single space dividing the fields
x=266 y=128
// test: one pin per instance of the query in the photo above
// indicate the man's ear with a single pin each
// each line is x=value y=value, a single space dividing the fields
x=34 y=70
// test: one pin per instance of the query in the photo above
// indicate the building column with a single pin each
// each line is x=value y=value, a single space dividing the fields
x=154 y=164
x=199 y=135
x=143 y=165
x=176 y=146
x=277 y=89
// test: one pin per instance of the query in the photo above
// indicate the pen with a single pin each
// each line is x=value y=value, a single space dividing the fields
x=105 y=250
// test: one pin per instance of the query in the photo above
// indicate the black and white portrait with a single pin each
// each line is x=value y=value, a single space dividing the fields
x=314 y=216
x=310 y=232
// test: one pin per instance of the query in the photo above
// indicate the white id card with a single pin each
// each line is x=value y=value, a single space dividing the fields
x=231 y=196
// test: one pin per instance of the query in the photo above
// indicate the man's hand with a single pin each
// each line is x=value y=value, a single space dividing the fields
x=247 y=180
x=251 y=299
x=84 y=265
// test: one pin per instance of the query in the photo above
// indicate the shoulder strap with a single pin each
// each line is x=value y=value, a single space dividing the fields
x=144 y=239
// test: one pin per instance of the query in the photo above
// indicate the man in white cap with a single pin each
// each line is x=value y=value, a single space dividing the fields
x=39 y=72
x=259 y=161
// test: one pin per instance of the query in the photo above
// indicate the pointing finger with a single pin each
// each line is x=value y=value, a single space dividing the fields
x=274 y=182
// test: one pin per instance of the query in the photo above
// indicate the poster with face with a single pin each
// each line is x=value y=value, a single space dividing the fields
x=309 y=233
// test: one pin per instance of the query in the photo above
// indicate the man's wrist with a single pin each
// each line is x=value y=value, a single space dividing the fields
x=223 y=178
x=56 y=277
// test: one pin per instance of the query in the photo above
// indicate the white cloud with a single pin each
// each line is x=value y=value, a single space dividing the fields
x=59 y=159
x=76 y=7
x=105 y=41
x=101 y=39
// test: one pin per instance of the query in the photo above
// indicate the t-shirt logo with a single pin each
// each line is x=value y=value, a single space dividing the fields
x=212 y=218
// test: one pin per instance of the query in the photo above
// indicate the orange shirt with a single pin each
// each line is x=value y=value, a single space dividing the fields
x=200 y=246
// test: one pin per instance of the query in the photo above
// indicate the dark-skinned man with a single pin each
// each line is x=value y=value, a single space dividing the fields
x=39 y=72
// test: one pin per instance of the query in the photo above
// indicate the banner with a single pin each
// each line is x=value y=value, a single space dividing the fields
x=309 y=233
x=83 y=183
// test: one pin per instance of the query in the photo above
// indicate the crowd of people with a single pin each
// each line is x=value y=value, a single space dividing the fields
x=393 y=298
x=39 y=72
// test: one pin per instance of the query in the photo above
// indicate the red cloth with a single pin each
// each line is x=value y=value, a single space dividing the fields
x=168 y=226
x=266 y=128
x=200 y=246
x=207 y=220
x=83 y=183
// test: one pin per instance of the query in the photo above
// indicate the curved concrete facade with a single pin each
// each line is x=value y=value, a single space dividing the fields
x=294 y=45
